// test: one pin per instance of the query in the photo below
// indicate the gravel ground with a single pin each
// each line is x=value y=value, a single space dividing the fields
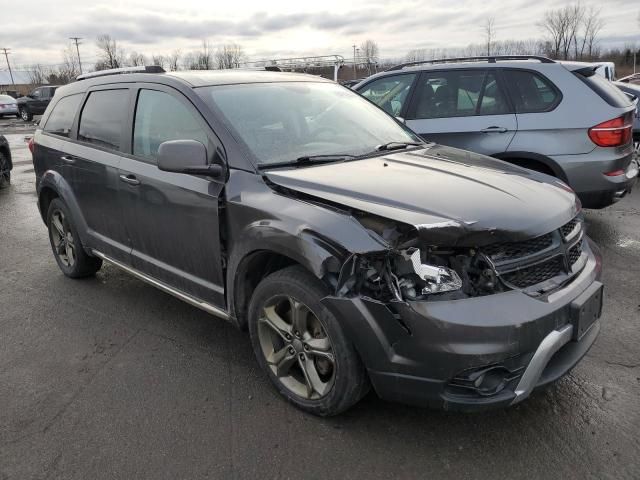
x=111 y=378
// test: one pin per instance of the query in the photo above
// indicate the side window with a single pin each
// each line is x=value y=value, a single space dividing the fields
x=443 y=94
x=61 y=118
x=531 y=92
x=102 y=118
x=161 y=117
x=37 y=93
x=493 y=100
x=389 y=93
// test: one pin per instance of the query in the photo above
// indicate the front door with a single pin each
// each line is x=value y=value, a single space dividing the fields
x=172 y=219
x=467 y=109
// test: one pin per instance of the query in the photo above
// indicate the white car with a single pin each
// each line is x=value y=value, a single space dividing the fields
x=8 y=106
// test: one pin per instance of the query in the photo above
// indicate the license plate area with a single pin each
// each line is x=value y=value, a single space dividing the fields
x=586 y=309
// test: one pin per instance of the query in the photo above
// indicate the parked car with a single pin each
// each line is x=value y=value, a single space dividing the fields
x=633 y=90
x=6 y=164
x=354 y=253
x=8 y=106
x=36 y=102
x=558 y=119
x=634 y=78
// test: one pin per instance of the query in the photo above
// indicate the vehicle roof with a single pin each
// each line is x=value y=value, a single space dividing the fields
x=202 y=78
x=634 y=87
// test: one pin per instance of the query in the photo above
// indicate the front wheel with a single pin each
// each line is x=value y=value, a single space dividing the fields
x=66 y=245
x=301 y=345
x=5 y=173
x=25 y=114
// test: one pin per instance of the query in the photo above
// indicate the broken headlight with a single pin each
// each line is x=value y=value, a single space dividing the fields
x=420 y=273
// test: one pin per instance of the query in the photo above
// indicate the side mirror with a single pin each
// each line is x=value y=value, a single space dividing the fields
x=401 y=120
x=186 y=156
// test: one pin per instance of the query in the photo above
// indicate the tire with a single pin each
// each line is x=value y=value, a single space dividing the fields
x=5 y=173
x=25 y=114
x=17 y=115
x=339 y=382
x=66 y=245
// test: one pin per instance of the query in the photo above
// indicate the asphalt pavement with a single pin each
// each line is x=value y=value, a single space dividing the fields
x=109 y=378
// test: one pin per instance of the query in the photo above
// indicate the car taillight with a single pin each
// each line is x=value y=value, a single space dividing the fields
x=31 y=145
x=612 y=133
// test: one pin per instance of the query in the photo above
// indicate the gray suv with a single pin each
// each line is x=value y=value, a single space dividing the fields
x=355 y=254
x=559 y=119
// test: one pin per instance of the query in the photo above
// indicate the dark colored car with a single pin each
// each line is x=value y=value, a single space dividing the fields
x=5 y=162
x=36 y=102
x=354 y=253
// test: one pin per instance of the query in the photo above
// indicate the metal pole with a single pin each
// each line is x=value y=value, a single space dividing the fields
x=75 y=39
x=6 y=55
x=355 y=73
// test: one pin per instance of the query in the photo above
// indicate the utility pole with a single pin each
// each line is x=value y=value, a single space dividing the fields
x=6 y=55
x=75 y=39
x=355 y=73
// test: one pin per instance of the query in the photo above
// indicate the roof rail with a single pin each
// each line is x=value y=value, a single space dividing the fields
x=119 y=71
x=490 y=59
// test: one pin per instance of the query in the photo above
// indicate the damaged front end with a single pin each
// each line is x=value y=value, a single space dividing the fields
x=411 y=270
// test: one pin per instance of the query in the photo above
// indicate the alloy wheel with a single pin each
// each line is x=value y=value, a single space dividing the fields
x=63 y=242
x=24 y=114
x=296 y=347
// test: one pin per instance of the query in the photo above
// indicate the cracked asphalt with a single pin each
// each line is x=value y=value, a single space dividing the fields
x=110 y=378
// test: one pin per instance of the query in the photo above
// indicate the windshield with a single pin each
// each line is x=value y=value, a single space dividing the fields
x=281 y=122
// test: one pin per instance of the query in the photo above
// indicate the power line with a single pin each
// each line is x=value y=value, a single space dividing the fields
x=75 y=39
x=6 y=55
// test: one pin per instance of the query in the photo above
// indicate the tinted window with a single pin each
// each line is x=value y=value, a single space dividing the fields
x=37 y=93
x=102 y=118
x=62 y=116
x=604 y=89
x=531 y=92
x=459 y=93
x=389 y=93
x=161 y=117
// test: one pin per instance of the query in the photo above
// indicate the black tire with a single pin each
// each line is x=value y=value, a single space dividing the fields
x=82 y=265
x=5 y=173
x=17 y=115
x=25 y=114
x=349 y=382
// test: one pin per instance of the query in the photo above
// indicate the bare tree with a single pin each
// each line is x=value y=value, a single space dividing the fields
x=489 y=33
x=229 y=56
x=173 y=60
x=204 y=58
x=416 y=55
x=371 y=53
x=592 y=24
x=37 y=74
x=67 y=71
x=137 y=59
x=111 y=56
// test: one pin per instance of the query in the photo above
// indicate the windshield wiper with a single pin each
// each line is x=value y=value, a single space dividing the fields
x=310 y=160
x=397 y=145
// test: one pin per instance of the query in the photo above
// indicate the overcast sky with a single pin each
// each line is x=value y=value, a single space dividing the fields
x=37 y=31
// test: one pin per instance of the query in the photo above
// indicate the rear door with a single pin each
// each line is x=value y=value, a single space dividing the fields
x=467 y=109
x=92 y=163
x=172 y=219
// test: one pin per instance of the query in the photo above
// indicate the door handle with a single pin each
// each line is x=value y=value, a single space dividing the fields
x=494 y=130
x=68 y=159
x=130 y=179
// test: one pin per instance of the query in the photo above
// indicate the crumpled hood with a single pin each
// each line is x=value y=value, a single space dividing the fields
x=453 y=197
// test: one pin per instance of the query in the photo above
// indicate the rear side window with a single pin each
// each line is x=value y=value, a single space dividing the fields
x=161 y=117
x=389 y=93
x=458 y=93
x=103 y=117
x=62 y=115
x=531 y=92
x=604 y=88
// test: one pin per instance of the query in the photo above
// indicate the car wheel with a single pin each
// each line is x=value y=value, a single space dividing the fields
x=66 y=245
x=5 y=173
x=25 y=114
x=301 y=345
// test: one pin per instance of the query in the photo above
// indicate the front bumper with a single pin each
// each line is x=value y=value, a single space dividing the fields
x=415 y=352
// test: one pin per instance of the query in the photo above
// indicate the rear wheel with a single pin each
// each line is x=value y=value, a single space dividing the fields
x=5 y=173
x=66 y=245
x=302 y=346
x=25 y=114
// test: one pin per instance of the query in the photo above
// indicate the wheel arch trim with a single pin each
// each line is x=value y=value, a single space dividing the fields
x=536 y=157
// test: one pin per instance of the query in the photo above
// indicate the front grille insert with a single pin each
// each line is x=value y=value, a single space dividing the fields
x=535 y=261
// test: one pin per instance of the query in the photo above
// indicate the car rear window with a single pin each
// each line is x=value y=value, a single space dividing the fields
x=102 y=118
x=62 y=115
x=603 y=87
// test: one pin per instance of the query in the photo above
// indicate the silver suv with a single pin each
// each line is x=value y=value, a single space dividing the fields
x=558 y=119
